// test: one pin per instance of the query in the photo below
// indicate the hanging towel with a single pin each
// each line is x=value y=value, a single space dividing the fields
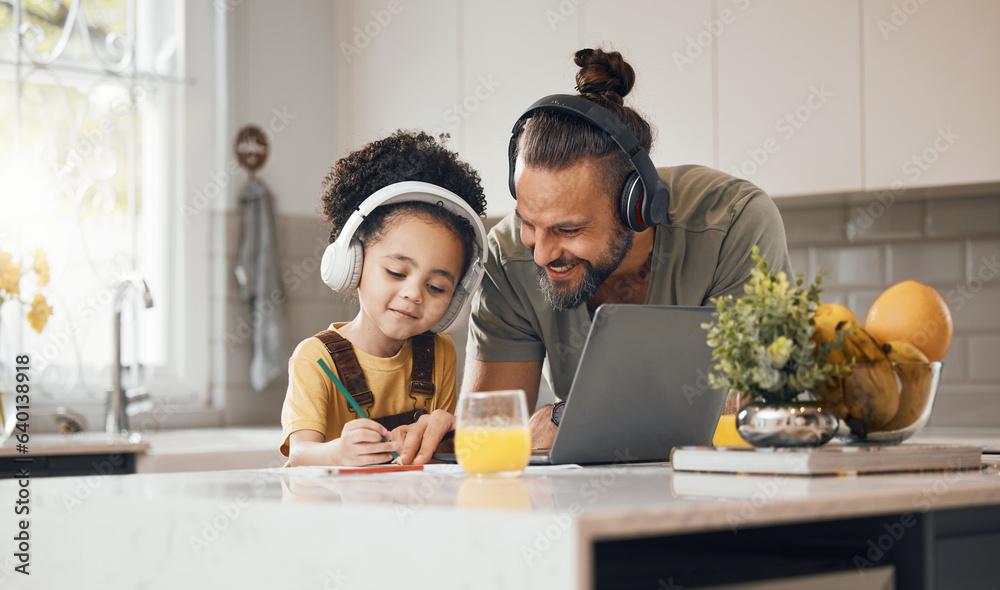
x=259 y=280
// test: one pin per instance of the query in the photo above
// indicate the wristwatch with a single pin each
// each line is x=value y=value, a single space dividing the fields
x=557 y=412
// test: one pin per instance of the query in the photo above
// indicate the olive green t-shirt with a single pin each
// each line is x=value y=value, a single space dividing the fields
x=701 y=251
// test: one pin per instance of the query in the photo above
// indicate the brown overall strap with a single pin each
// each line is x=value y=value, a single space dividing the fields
x=421 y=376
x=422 y=373
x=421 y=383
x=348 y=368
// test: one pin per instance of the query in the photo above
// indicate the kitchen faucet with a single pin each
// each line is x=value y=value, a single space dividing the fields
x=117 y=418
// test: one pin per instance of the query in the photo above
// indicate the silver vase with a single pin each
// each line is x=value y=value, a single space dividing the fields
x=789 y=424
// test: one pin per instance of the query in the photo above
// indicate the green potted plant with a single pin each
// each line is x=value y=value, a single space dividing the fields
x=765 y=350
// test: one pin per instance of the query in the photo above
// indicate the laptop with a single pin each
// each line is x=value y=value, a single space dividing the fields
x=640 y=390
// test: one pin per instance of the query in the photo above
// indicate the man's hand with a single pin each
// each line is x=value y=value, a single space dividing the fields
x=543 y=431
x=419 y=440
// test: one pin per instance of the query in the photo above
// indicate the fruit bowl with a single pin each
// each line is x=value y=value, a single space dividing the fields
x=917 y=384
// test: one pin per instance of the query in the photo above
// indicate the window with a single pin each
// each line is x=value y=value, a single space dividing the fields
x=92 y=171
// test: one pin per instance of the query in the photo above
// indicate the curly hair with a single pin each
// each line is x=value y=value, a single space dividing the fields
x=404 y=155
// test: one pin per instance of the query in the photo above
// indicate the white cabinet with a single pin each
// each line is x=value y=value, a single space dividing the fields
x=671 y=47
x=788 y=93
x=931 y=92
x=512 y=54
x=399 y=59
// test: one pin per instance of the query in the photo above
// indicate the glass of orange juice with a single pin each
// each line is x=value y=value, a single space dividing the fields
x=492 y=436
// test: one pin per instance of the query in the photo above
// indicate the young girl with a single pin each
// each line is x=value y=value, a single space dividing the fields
x=407 y=236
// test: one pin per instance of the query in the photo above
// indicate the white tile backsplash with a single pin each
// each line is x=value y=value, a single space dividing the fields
x=927 y=262
x=955 y=362
x=983 y=262
x=882 y=219
x=984 y=358
x=858 y=265
x=808 y=226
x=970 y=405
x=952 y=244
x=975 y=311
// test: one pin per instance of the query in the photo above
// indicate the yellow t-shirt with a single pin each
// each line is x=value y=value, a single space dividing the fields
x=313 y=402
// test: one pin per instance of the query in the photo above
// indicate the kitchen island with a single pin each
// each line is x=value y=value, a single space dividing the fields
x=622 y=525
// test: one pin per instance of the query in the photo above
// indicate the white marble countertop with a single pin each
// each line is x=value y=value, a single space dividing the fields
x=289 y=528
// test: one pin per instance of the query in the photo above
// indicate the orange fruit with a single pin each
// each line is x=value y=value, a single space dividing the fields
x=915 y=313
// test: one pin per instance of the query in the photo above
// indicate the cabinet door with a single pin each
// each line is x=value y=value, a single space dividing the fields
x=401 y=60
x=931 y=92
x=788 y=92
x=670 y=45
x=513 y=54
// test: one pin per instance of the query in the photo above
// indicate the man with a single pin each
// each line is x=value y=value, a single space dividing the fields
x=572 y=244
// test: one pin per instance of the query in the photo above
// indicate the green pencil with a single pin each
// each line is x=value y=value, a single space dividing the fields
x=349 y=398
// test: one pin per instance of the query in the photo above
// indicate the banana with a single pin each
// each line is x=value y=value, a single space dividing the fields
x=901 y=351
x=916 y=377
x=867 y=397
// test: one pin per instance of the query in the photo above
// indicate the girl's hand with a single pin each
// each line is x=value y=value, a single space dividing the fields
x=361 y=443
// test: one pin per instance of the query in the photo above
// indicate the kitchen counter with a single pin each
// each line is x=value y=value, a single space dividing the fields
x=76 y=444
x=196 y=449
x=550 y=528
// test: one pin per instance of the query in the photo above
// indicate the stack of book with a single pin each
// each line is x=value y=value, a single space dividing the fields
x=832 y=459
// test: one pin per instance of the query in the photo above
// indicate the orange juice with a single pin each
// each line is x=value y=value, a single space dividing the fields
x=483 y=451
x=726 y=434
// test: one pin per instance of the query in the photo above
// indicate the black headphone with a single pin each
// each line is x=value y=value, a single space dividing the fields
x=637 y=211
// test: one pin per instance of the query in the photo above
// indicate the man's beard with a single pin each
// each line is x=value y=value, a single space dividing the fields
x=593 y=276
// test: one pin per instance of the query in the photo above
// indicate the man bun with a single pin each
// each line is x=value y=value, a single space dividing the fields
x=603 y=75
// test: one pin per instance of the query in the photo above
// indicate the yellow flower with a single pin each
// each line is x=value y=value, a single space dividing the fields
x=41 y=266
x=40 y=312
x=779 y=351
x=10 y=274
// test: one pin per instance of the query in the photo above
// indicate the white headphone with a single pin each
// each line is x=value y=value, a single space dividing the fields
x=343 y=259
